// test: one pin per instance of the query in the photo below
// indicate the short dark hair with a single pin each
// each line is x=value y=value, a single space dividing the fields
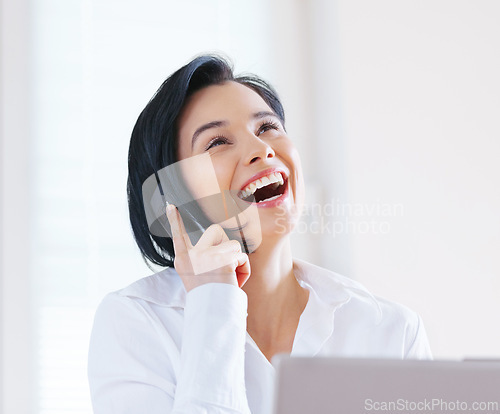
x=154 y=140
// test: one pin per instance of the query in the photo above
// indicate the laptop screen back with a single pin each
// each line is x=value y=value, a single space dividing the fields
x=355 y=386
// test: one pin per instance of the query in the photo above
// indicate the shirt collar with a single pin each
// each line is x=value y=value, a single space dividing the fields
x=332 y=288
x=165 y=288
x=328 y=291
x=316 y=323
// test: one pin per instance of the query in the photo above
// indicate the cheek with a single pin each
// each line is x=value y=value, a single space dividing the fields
x=295 y=165
x=199 y=175
x=224 y=171
x=299 y=174
x=298 y=185
x=206 y=178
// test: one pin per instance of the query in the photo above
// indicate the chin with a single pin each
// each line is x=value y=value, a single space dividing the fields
x=277 y=227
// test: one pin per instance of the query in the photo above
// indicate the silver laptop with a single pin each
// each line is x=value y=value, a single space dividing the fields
x=355 y=386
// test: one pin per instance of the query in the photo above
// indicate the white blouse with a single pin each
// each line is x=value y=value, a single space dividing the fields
x=155 y=349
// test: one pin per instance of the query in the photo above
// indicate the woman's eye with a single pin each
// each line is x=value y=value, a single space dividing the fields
x=266 y=126
x=216 y=142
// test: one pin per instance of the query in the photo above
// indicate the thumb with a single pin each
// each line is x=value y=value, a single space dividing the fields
x=243 y=270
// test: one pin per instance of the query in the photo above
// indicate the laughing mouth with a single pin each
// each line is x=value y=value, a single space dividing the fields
x=267 y=188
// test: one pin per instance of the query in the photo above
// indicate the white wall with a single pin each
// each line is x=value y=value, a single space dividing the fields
x=17 y=328
x=409 y=126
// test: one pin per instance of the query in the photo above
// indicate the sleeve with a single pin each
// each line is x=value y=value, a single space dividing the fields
x=418 y=347
x=135 y=366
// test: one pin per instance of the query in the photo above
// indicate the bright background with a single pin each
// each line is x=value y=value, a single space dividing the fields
x=394 y=106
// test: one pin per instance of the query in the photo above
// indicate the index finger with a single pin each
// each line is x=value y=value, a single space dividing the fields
x=179 y=235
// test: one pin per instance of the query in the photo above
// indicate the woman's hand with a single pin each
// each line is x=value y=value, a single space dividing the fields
x=214 y=258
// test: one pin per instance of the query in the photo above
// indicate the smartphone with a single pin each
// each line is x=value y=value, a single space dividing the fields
x=223 y=207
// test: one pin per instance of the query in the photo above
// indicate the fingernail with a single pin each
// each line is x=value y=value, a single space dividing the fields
x=170 y=206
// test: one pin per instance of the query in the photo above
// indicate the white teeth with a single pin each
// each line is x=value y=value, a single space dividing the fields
x=265 y=181
x=280 y=178
x=272 y=178
x=269 y=199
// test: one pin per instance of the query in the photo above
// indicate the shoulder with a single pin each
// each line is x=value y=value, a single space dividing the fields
x=142 y=306
x=143 y=315
x=164 y=288
x=332 y=287
x=360 y=314
x=135 y=338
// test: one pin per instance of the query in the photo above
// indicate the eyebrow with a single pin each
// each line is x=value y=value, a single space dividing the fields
x=263 y=114
x=218 y=124
x=204 y=127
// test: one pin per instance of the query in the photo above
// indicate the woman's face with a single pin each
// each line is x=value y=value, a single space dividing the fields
x=248 y=149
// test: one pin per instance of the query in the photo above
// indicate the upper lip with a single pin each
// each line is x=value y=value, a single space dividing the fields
x=263 y=173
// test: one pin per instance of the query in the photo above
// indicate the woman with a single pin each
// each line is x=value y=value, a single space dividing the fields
x=198 y=336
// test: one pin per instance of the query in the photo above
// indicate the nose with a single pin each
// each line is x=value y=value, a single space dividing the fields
x=257 y=149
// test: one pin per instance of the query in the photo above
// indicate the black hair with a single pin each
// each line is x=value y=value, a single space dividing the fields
x=154 y=140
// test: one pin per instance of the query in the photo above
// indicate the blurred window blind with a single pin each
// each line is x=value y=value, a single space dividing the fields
x=95 y=65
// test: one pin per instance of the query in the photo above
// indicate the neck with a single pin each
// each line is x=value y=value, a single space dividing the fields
x=270 y=265
x=275 y=298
